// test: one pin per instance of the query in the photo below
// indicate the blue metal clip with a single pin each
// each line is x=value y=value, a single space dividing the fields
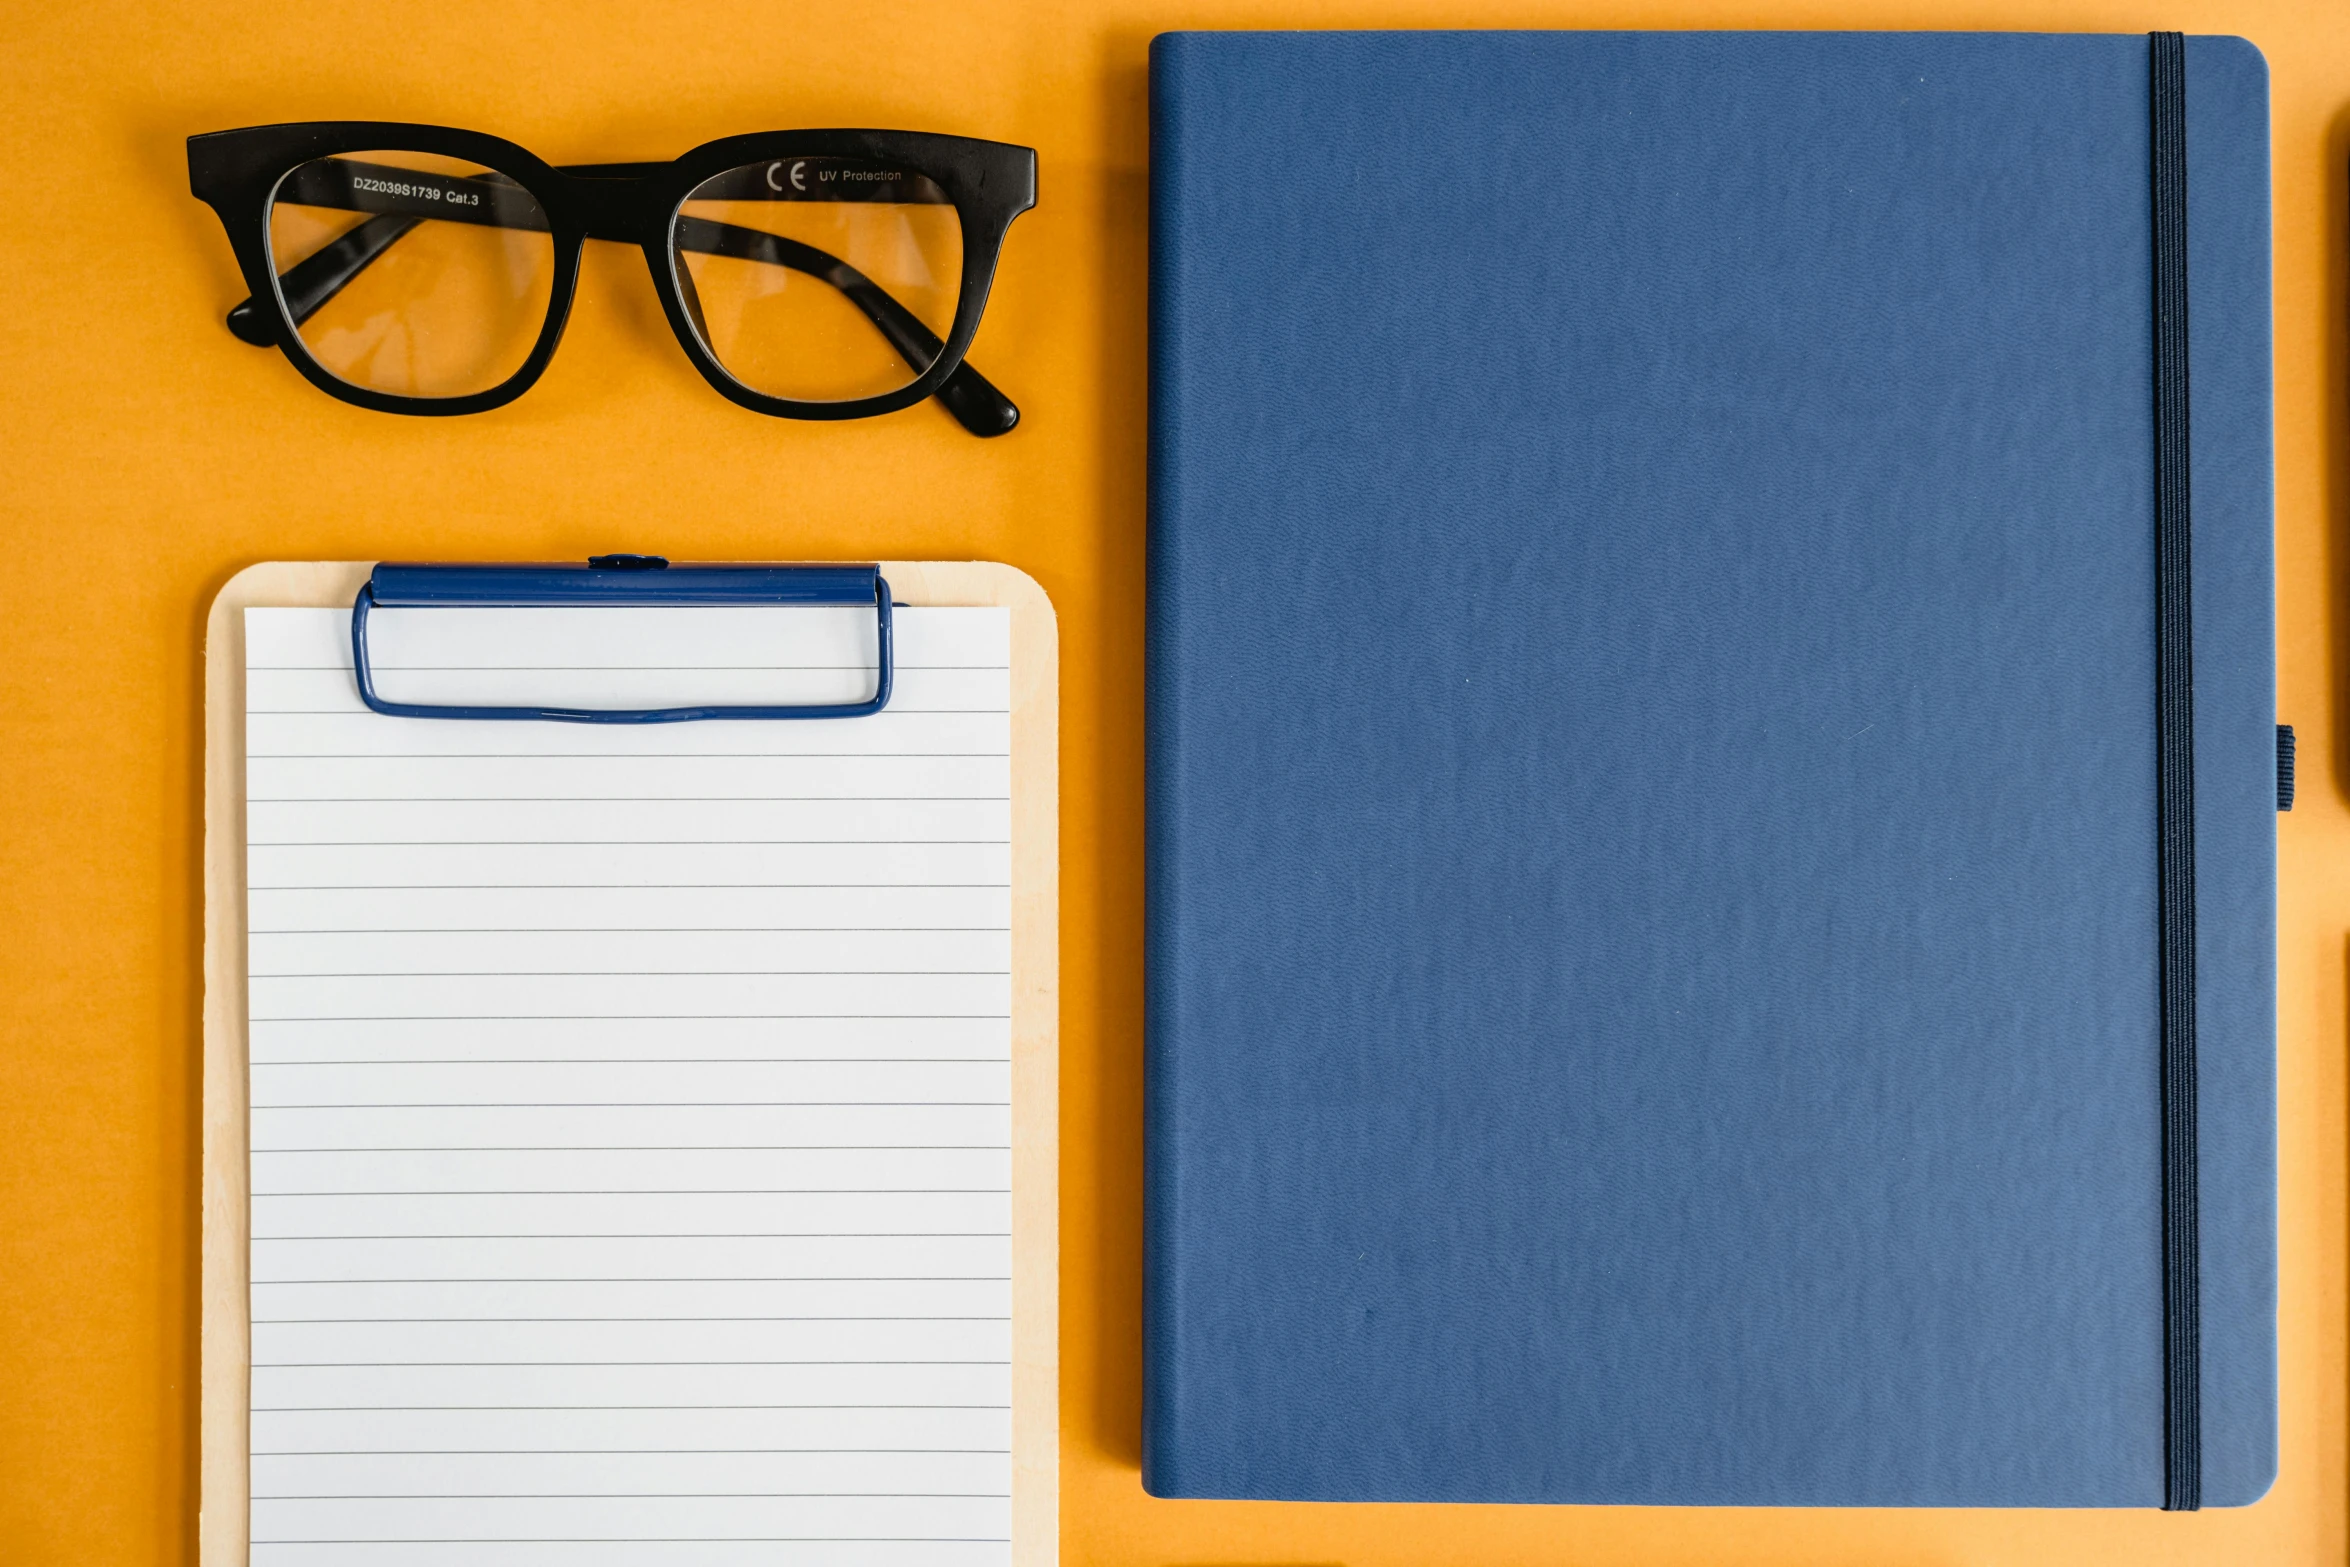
x=616 y=579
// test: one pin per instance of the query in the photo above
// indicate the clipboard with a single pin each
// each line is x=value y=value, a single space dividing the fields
x=225 y=1336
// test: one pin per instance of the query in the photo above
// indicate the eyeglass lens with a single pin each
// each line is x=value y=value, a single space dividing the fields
x=820 y=279
x=412 y=274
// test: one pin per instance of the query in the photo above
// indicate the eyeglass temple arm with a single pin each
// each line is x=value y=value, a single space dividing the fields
x=309 y=283
x=977 y=405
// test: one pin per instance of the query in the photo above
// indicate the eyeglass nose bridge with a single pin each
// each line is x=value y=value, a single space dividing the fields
x=618 y=202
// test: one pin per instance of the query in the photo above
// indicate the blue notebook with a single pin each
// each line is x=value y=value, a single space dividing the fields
x=1672 y=747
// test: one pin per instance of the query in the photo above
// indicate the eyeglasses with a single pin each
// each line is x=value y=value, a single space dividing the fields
x=417 y=269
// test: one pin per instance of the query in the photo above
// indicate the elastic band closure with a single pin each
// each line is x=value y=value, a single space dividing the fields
x=2174 y=695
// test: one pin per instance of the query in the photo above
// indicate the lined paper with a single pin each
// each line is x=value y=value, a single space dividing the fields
x=631 y=1150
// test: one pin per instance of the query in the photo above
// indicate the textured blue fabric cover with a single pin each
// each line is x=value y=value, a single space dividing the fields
x=1651 y=878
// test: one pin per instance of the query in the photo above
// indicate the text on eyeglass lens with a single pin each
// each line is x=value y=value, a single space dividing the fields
x=794 y=175
x=454 y=197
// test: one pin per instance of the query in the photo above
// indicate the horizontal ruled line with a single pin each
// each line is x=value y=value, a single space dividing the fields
x=662 y=1539
x=749 y=1278
x=610 y=799
x=589 y=1452
x=673 y=1104
x=652 y=1061
x=652 y=1017
x=678 y=1235
x=667 y=1148
x=652 y=973
x=442 y=1409
x=632 y=886
x=673 y=1191
x=284 y=1322
x=623 y=1496
x=624 y=756
x=311 y=1366
x=639 y=843
x=634 y=930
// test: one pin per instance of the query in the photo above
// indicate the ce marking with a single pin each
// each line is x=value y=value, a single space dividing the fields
x=793 y=175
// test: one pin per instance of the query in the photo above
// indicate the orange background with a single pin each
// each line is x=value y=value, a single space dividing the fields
x=145 y=455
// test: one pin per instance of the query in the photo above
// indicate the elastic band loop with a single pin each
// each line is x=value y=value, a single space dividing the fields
x=2174 y=685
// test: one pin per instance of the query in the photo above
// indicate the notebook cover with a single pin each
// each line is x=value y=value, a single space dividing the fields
x=1651 y=890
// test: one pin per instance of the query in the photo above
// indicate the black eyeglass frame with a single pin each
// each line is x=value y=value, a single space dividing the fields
x=237 y=174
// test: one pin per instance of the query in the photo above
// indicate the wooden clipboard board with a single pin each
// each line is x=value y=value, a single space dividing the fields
x=223 y=1529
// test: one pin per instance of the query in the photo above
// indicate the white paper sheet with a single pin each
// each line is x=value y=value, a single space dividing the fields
x=631 y=1112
